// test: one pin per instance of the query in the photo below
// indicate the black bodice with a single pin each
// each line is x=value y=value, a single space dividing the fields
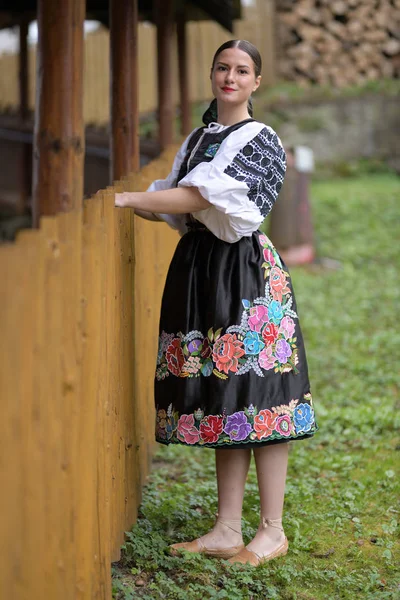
x=205 y=146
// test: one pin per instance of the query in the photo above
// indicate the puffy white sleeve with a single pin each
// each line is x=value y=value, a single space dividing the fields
x=174 y=221
x=242 y=181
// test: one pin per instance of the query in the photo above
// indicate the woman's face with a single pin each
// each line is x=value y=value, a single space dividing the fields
x=233 y=77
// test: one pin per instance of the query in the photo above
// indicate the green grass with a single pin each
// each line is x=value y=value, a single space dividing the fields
x=291 y=91
x=342 y=508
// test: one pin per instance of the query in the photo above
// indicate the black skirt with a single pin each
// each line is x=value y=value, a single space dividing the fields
x=231 y=366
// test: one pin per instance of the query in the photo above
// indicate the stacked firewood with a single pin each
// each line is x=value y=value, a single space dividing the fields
x=338 y=42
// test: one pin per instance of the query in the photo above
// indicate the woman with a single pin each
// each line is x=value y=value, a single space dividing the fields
x=231 y=367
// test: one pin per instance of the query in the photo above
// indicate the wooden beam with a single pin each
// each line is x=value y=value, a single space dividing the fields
x=59 y=132
x=23 y=70
x=25 y=167
x=124 y=145
x=186 y=120
x=165 y=30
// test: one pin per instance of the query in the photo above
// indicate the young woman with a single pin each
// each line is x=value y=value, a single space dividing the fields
x=231 y=367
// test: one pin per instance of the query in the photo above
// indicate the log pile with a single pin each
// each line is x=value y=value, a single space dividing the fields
x=338 y=42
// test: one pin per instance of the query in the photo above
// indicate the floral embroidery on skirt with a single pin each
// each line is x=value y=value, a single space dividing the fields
x=231 y=366
x=265 y=338
x=281 y=422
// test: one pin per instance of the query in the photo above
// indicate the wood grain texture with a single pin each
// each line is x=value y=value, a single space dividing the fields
x=79 y=322
x=164 y=13
x=124 y=87
x=59 y=142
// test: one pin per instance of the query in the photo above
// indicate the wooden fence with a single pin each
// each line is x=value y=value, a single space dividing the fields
x=204 y=37
x=80 y=302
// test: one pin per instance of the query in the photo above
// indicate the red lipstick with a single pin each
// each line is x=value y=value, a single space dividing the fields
x=228 y=89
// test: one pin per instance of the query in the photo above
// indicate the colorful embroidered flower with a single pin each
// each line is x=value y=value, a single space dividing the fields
x=264 y=423
x=162 y=418
x=226 y=352
x=269 y=257
x=283 y=425
x=171 y=426
x=207 y=368
x=275 y=312
x=258 y=316
x=161 y=433
x=282 y=351
x=175 y=357
x=267 y=359
x=270 y=333
x=277 y=421
x=212 y=150
x=308 y=397
x=253 y=343
x=237 y=426
x=166 y=339
x=161 y=423
x=192 y=365
x=162 y=372
x=206 y=350
x=187 y=432
x=211 y=428
x=263 y=240
x=287 y=327
x=194 y=345
x=278 y=283
x=303 y=417
x=198 y=414
x=159 y=351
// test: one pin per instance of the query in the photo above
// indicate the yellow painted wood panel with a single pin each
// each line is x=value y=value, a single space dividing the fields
x=80 y=302
x=70 y=243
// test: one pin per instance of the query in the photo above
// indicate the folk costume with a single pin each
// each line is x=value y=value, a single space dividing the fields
x=231 y=366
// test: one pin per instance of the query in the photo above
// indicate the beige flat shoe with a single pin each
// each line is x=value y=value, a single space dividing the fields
x=248 y=557
x=197 y=546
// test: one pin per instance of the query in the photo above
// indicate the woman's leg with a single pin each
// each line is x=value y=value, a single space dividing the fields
x=271 y=465
x=232 y=467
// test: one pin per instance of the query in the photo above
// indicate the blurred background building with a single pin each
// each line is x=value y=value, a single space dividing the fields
x=317 y=44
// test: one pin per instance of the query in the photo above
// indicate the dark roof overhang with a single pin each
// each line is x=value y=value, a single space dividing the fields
x=223 y=12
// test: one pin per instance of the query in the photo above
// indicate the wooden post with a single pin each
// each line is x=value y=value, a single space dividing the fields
x=59 y=133
x=283 y=217
x=165 y=31
x=186 y=121
x=25 y=171
x=125 y=153
x=291 y=229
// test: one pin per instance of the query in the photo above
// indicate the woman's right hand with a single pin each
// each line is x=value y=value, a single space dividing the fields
x=120 y=200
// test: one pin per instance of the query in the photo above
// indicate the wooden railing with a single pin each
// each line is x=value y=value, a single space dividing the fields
x=80 y=299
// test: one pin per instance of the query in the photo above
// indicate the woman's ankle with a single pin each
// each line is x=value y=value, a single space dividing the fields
x=272 y=528
x=232 y=524
x=229 y=530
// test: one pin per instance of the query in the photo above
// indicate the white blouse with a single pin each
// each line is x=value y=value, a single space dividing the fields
x=241 y=182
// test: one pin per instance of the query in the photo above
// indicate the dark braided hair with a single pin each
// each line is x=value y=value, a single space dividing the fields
x=211 y=114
